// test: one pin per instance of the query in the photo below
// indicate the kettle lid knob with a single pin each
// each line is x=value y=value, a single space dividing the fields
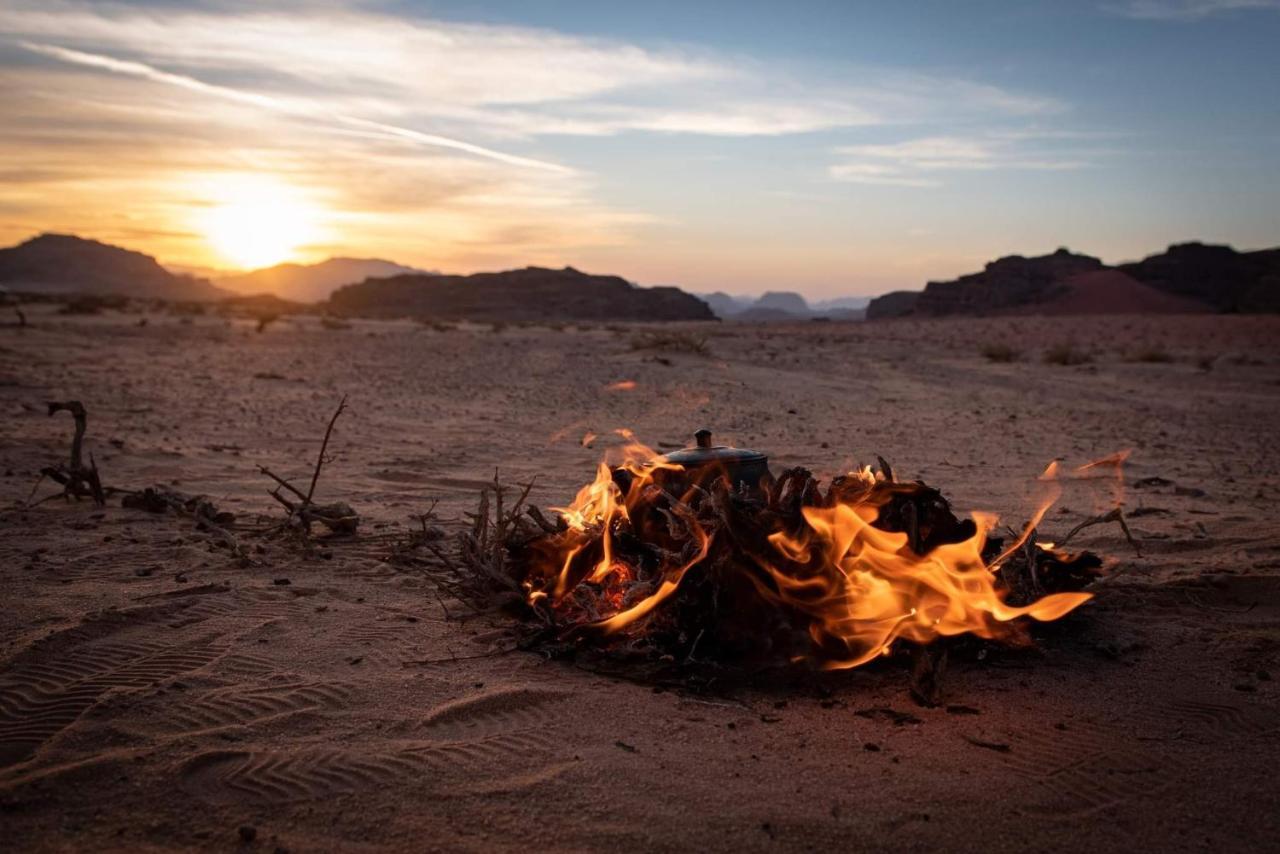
x=703 y=438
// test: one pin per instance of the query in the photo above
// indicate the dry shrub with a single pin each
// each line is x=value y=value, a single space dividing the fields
x=1151 y=355
x=671 y=342
x=187 y=309
x=87 y=304
x=1246 y=360
x=1066 y=354
x=995 y=352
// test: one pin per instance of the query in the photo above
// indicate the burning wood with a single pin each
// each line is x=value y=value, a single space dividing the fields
x=703 y=556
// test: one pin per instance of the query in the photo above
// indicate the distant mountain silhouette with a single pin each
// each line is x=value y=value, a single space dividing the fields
x=837 y=304
x=530 y=294
x=786 y=301
x=782 y=306
x=312 y=282
x=64 y=263
x=725 y=305
x=1190 y=277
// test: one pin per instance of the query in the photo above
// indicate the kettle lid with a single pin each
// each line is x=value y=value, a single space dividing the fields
x=704 y=453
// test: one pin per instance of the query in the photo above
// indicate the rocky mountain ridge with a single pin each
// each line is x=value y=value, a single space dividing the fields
x=1186 y=278
x=66 y=264
x=529 y=294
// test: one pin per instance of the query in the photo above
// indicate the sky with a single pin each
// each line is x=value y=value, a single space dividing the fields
x=831 y=148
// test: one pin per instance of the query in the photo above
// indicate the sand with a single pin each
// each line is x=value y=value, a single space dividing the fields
x=155 y=695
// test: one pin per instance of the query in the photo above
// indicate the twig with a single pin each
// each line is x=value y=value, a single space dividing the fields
x=34 y=487
x=338 y=517
x=315 y=476
x=286 y=484
x=1115 y=514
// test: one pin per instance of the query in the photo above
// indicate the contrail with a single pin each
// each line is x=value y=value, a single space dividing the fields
x=266 y=102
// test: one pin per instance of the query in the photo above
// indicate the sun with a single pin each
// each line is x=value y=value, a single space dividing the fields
x=257 y=221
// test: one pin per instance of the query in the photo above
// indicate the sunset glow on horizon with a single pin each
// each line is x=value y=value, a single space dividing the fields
x=257 y=222
x=831 y=150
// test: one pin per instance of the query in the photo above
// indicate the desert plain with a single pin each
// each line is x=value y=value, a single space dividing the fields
x=159 y=693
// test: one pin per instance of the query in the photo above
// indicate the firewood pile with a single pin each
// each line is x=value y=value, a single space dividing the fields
x=712 y=573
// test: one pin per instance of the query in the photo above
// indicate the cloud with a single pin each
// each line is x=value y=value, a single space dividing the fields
x=138 y=69
x=920 y=162
x=1184 y=10
x=498 y=81
x=862 y=172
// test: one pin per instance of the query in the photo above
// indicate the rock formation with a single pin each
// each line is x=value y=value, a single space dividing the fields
x=530 y=294
x=1219 y=276
x=63 y=263
x=1188 y=277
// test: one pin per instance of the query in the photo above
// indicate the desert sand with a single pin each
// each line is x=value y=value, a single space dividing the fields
x=157 y=695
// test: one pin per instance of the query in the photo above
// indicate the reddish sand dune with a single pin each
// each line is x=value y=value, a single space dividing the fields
x=1113 y=292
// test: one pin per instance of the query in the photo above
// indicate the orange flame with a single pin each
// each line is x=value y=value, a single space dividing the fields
x=856 y=586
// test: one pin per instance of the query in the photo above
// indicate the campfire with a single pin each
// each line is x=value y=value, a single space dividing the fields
x=703 y=555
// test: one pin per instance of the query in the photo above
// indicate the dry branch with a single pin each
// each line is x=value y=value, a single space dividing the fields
x=77 y=480
x=338 y=516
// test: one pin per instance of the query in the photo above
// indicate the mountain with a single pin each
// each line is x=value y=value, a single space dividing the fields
x=64 y=263
x=784 y=301
x=782 y=307
x=530 y=294
x=840 y=304
x=1005 y=284
x=893 y=304
x=1189 y=277
x=1220 y=276
x=725 y=305
x=312 y=282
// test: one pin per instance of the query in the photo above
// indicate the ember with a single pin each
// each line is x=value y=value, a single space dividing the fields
x=704 y=555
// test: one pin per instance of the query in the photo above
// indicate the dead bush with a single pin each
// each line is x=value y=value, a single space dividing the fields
x=1151 y=355
x=671 y=342
x=998 y=352
x=1066 y=354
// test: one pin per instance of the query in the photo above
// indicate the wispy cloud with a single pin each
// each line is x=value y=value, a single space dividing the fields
x=1185 y=10
x=496 y=80
x=923 y=161
x=290 y=106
